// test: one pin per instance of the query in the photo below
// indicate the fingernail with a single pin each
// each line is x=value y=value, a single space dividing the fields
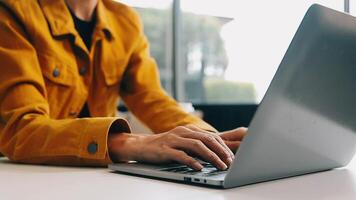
x=223 y=166
x=229 y=160
x=232 y=154
x=197 y=166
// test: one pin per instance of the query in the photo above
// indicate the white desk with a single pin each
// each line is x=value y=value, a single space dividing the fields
x=47 y=183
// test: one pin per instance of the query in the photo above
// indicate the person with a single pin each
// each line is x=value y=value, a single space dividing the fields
x=64 y=65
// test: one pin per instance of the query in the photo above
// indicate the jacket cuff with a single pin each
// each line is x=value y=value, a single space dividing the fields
x=95 y=135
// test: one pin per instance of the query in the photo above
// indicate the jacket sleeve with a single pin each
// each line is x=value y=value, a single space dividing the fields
x=27 y=133
x=143 y=95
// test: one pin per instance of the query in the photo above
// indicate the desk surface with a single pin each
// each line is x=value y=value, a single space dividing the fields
x=46 y=182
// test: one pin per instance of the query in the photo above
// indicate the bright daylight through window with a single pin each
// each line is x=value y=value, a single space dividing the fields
x=228 y=50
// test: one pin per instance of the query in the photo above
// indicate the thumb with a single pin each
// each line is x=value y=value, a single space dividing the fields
x=234 y=135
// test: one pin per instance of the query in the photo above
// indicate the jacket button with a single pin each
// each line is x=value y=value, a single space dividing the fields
x=83 y=70
x=92 y=148
x=56 y=72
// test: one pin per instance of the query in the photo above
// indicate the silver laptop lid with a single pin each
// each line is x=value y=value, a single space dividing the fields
x=307 y=119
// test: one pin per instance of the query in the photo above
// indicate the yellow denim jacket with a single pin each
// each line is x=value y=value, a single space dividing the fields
x=47 y=74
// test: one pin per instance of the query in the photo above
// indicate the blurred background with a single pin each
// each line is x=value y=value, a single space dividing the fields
x=221 y=55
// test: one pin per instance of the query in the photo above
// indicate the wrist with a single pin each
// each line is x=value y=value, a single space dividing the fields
x=123 y=146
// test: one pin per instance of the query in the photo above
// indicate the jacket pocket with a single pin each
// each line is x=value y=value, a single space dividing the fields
x=56 y=71
x=113 y=71
x=113 y=62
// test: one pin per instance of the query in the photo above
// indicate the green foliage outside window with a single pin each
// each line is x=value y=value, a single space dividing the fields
x=199 y=33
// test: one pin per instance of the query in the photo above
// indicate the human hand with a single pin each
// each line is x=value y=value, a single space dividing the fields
x=180 y=144
x=234 y=137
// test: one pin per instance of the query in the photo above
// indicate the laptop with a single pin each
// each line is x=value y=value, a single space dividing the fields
x=306 y=121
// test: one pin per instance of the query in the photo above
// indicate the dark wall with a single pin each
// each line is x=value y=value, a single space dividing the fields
x=227 y=117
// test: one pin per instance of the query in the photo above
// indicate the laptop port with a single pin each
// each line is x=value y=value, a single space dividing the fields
x=196 y=180
x=187 y=179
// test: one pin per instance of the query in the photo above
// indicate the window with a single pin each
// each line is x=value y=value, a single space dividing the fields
x=157 y=19
x=228 y=50
x=233 y=48
x=352 y=7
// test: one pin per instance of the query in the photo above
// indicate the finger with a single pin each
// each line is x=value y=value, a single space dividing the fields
x=221 y=141
x=216 y=144
x=233 y=145
x=212 y=142
x=226 y=155
x=183 y=158
x=200 y=149
x=234 y=135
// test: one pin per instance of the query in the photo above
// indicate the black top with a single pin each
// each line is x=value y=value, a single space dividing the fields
x=85 y=30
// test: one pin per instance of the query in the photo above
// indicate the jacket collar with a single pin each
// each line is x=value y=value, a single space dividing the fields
x=61 y=22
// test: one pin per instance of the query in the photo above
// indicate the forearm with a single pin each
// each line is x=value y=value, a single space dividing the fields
x=37 y=139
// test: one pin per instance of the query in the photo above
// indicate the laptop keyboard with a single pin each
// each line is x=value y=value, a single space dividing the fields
x=208 y=170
